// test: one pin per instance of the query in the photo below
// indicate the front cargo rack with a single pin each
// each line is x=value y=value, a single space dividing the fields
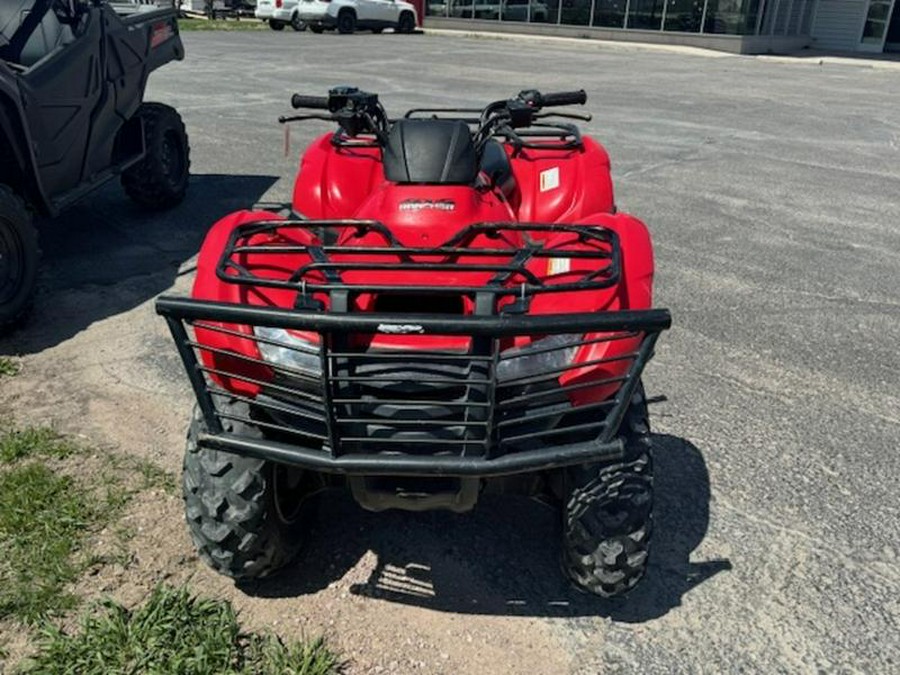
x=485 y=410
x=324 y=274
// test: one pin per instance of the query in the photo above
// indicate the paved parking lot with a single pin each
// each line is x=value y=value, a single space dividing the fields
x=772 y=190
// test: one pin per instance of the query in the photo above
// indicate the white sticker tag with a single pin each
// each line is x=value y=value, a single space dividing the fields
x=550 y=179
x=558 y=266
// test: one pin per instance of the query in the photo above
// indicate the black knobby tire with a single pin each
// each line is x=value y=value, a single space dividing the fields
x=160 y=180
x=241 y=525
x=346 y=22
x=276 y=25
x=297 y=23
x=608 y=515
x=407 y=23
x=20 y=258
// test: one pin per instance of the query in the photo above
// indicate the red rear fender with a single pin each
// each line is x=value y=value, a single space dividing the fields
x=333 y=182
x=556 y=185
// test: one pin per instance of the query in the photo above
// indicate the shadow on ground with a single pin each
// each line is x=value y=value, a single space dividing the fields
x=121 y=255
x=502 y=559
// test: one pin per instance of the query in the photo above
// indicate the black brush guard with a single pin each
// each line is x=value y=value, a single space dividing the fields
x=347 y=408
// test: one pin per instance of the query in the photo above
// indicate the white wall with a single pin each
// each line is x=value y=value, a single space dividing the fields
x=838 y=24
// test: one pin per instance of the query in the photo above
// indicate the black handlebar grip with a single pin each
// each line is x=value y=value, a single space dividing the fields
x=317 y=102
x=564 y=98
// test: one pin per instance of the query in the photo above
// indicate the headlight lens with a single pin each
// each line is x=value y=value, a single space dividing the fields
x=280 y=348
x=547 y=354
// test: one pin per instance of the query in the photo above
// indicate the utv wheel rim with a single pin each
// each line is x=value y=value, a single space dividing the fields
x=172 y=158
x=288 y=497
x=12 y=256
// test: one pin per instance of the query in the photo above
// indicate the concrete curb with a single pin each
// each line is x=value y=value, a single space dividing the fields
x=807 y=58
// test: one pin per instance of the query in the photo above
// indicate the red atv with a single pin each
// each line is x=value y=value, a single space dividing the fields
x=461 y=309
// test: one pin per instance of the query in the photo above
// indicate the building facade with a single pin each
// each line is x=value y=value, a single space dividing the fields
x=742 y=26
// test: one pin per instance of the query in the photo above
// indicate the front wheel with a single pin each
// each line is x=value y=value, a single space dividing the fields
x=276 y=25
x=346 y=22
x=160 y=179
x=407 y=23
x=608 y=515
x=297 y=23
x=245 y=515
x=19 y=260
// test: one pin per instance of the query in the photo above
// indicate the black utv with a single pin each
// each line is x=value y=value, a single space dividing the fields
x=72 y=116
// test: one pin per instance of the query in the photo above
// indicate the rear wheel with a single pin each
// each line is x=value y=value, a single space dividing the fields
x=608 y=513
x=245 y=515
x=160 y=180
x=346 y=22
x=297 y=23
x=19 y=260
x=276 y=25
x=407 y=23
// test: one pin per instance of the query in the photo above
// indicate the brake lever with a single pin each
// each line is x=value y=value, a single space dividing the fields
x=583 y=117
x=284 y=119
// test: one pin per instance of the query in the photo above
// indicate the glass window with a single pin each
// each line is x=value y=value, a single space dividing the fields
x=684 y=15
x=515 y=10
x=876 y=21
x=733 y=17
x=543 y=11
x=460 y=9
x=576 y=12
x=609 y=13
x=436 y=8
x=486 y=9
x=645 y=14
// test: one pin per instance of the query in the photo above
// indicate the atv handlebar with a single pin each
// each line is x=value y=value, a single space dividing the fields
x=563 y=98
x=359 y=112
x=303 y=101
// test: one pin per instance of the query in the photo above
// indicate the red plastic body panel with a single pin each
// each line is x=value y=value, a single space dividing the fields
x=561 y=186
x=571 y=186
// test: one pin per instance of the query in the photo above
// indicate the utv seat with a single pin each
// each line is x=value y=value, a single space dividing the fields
x=45 y=37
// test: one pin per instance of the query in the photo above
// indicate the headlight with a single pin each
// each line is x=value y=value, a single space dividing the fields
x=280 y=348
x=548 y=354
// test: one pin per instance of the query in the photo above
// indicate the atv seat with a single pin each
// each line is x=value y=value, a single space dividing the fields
x=40 y=37
x=430 y=151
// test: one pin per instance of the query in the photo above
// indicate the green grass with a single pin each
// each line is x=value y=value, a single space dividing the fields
x=35 y=443
x=45 y=517
x=8 y=367
x=173 y=632
x=218 y=24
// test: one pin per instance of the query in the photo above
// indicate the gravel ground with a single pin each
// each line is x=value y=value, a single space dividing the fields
x=771 y=189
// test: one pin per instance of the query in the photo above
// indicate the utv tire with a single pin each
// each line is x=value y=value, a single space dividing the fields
x=160 y=180
x=346 y=22
x=19 y=260
x=242 y=527
x=407 y=23
x=276 y=25
x=608 y=513
x=297 y=23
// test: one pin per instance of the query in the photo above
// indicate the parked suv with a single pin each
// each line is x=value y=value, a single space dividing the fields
x=280 y=13
x=349 y=15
